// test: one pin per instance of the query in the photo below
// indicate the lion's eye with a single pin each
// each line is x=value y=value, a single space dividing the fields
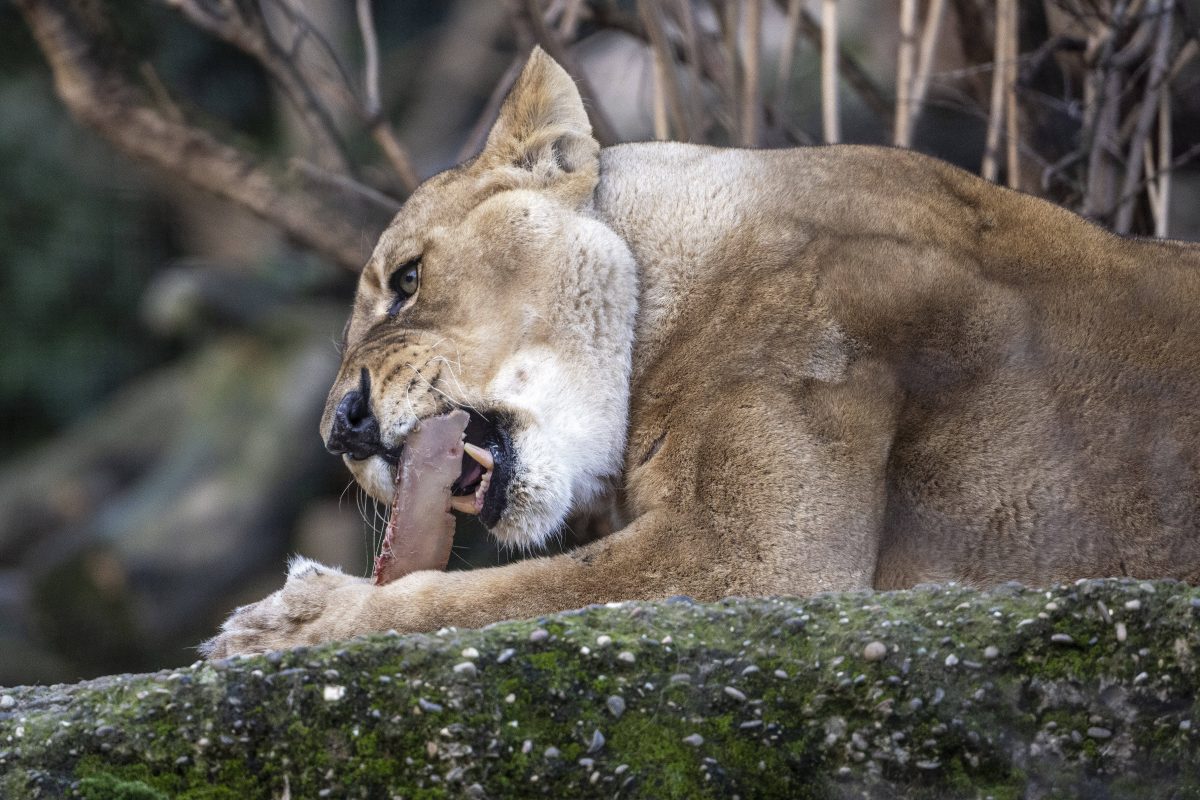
x=404 y=283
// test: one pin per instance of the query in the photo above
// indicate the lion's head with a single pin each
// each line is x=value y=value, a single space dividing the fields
x=496 y=290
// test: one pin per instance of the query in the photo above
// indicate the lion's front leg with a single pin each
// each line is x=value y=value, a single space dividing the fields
x=317 y=604
x=320 y=604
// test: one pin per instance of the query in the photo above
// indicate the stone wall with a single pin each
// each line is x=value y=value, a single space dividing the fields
x=1085 y=690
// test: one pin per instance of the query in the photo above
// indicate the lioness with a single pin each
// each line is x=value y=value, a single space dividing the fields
x=803 y=370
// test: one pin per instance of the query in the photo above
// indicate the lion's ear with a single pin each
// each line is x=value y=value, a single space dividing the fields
x=543 y=128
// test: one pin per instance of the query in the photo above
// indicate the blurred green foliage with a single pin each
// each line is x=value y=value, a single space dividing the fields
x=82 y=230
x=79 y=235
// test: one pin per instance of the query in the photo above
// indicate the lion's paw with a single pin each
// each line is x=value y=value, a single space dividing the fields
x=317 y=604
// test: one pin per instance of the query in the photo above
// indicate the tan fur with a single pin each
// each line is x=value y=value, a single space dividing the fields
x=806 y=370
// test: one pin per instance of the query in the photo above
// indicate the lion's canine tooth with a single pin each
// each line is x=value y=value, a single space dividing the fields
x=464 y=504
x=479 y=454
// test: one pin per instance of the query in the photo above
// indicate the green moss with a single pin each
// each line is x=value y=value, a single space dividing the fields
x=110 y=787
x=349 y=718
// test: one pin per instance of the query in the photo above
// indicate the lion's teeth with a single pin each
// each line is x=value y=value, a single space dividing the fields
x=479 y=454
x=464 y=504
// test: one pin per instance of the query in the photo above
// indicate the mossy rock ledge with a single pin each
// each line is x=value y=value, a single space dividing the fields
x=1083 y=690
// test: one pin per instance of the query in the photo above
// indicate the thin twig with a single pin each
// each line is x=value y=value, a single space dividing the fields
x=787 y=53
x=1151 y=173
x=831 y=124
x=1145 y=116
x=850 y=71
x=602 y=129
x=1102 y=161
x=1162 y=224
x=342 y=183
x=686 y=15
x=243 y=26
x=1012 y=134
x=666 y=79
x=905 y=53
x=751 y=107
x=1176 y=163
x=483 y=124
x=381 y=130
x=1186 y=53
x=662 y=131
x=159 y=90
x=1102 y=99
x=930 y=33
x=568 y=24
x=395 y=153
x=729 y=15
x=336 y=90
x=366 y=28
x=996 y=114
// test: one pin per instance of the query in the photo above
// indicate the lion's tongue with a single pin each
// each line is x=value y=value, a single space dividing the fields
x=420 y=531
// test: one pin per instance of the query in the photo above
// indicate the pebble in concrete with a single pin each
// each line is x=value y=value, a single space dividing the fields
x=875 y=651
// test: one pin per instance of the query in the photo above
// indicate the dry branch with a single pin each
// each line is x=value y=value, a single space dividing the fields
x=751 y=106
x=242 y=26
x=929 y=39
x=830 y=120
x=1162 y=171
x=483 y=124
x=662 y=130
x=850 y=70
x=686 y=16
x=787 y=53
x=530 y=16
x=665 y=76
x=999 y=73
x=381 y=131
x=1102 y=100
x=340 y=225
x=1012 y=134
x=1146 y=113
x=905 y=56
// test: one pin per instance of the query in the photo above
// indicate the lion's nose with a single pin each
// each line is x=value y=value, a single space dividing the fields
x=355 y=430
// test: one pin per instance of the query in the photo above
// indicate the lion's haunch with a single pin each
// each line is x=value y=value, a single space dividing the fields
x=420 y=532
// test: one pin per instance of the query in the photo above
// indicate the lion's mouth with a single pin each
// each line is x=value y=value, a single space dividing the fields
x=482 y=486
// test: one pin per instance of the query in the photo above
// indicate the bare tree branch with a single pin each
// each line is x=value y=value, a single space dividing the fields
x=686 y=15
x=332 y=81
x=729 y=16
x=1012 y=133
x=530 y=14
x=830 y=119
x=1162 y=171
x=999 y=73
x=787 y=53
x=666 y=78
x=852 y=72
x=381 y=130
x=1102 y=100
x=1175 y=164
x=242 y=26
x=929 y=39
x=751 y=106
x=1146 y=113
x=491 y=110
x=662 y=130
x=370 y=40
x=337 y=224
x=902 y=130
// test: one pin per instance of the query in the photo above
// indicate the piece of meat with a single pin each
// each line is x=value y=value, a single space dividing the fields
x=420 y=531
